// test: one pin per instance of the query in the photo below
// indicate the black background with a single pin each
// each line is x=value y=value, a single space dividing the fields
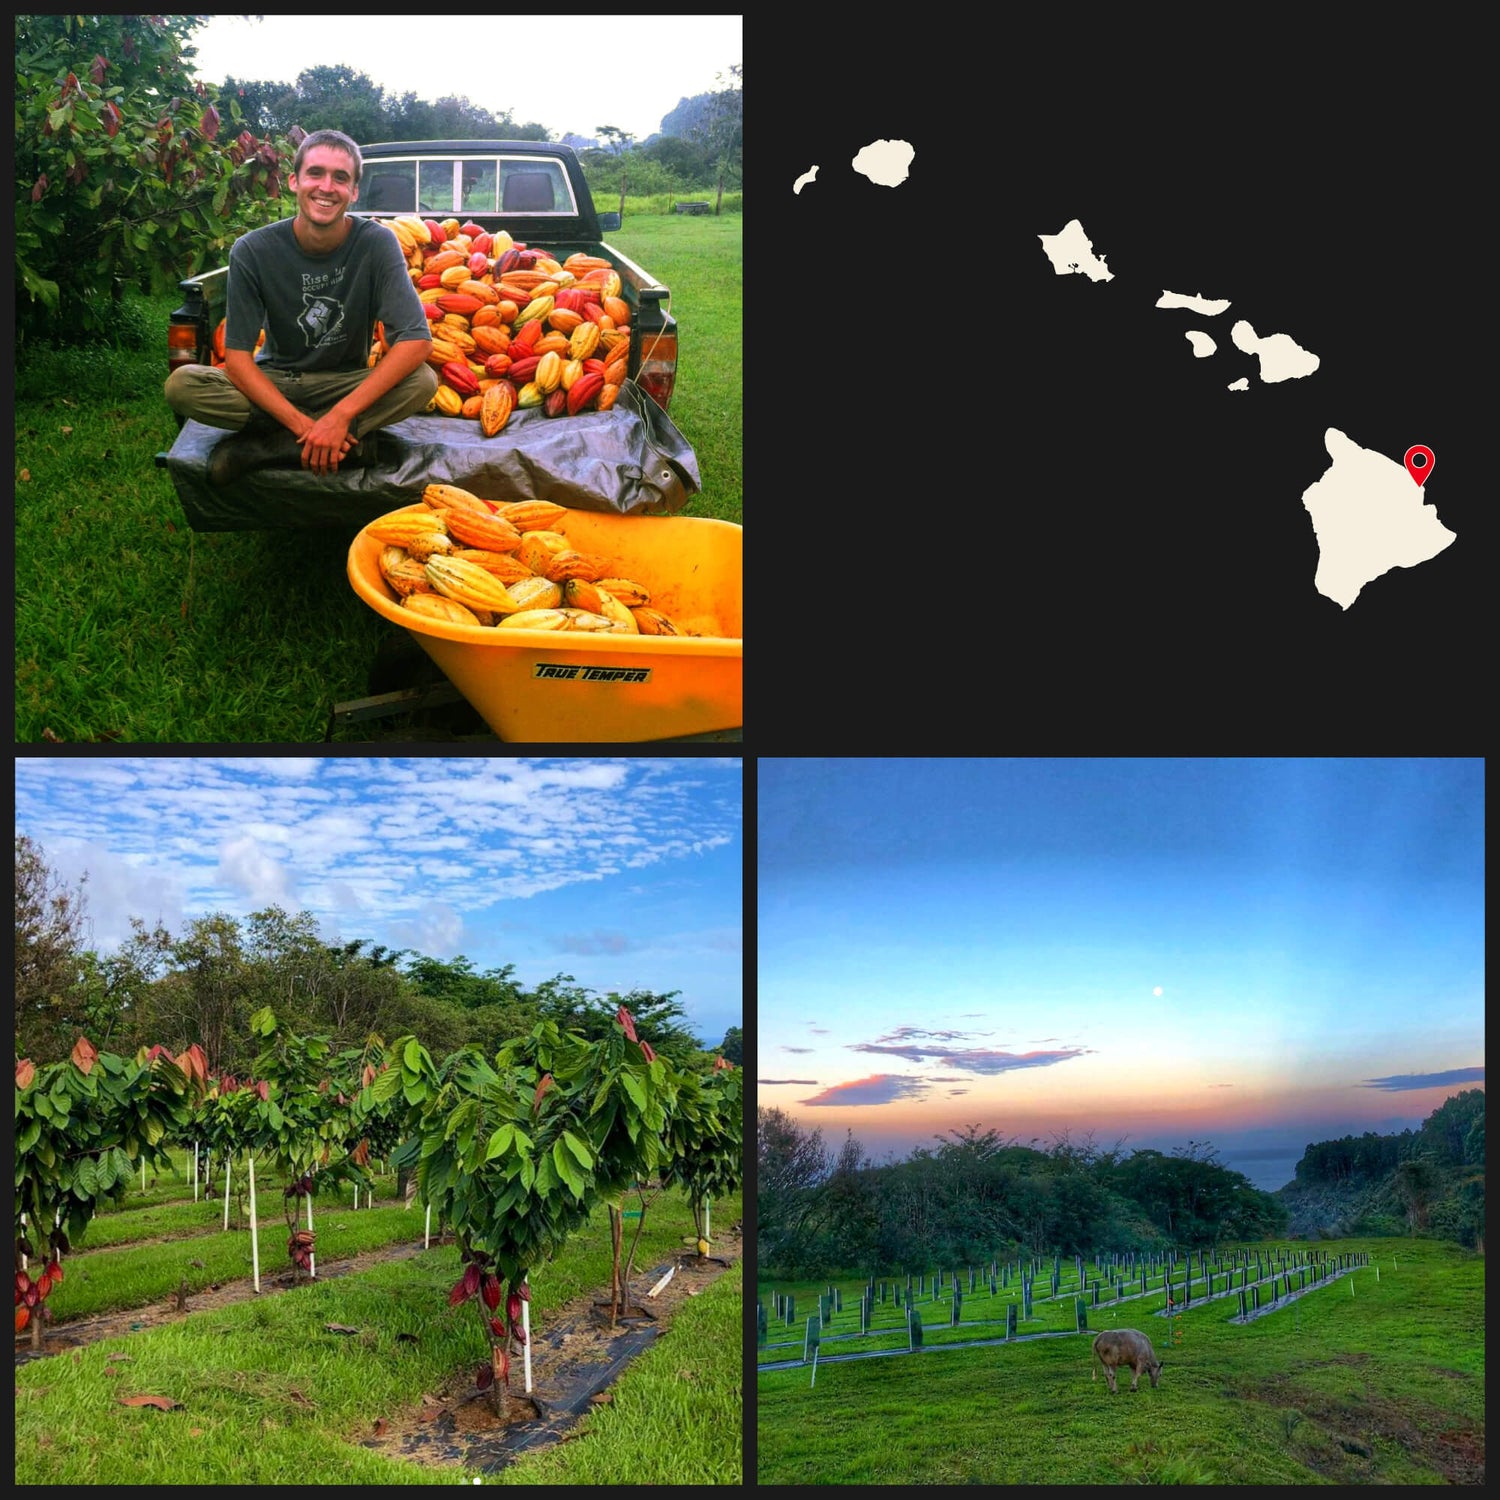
x=1020 y=497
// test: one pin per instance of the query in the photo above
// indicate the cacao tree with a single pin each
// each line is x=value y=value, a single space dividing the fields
x=82 y=1128
x=706 y=1141
x=303 y=1120
x=518 y=1153
x=127 y=168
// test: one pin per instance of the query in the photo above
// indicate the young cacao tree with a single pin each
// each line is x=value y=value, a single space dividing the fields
x=82 y=1128
x=518 y=1153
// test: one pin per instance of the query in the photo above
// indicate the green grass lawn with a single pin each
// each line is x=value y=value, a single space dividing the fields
x=131 y=628
x=276 y=1398
x=1361 y=1381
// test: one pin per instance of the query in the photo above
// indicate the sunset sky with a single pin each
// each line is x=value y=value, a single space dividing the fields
x=1254 y=953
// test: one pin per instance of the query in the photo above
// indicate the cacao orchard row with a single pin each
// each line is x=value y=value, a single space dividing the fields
x=468 y=561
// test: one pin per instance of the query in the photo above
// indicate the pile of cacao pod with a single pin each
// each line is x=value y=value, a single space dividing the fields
x=31 y=1294
x=300 y=1248
x=468 y=561
x=512 y=327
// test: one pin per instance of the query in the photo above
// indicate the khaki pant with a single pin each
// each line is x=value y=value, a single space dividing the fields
x=207 y=395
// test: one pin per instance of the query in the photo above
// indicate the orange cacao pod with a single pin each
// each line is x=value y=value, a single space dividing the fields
x=499 y=401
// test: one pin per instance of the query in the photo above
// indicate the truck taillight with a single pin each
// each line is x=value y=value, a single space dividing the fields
x=658 y=370
x=182 y=344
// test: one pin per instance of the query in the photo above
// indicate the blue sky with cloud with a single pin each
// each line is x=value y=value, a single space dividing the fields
x=1256 y=952
x=624 y=873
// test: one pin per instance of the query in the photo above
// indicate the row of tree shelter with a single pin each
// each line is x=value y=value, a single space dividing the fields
x=1245 y=1271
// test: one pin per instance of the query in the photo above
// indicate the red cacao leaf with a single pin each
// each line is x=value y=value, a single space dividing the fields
x=647 y=1052
x=623 y=1016
x=264 y=1090
x=541 y=1089
x=84 y=1055
x=379 y=1426
x=723 y=1065
x=368 y=1076
x=164 y=1402
x=38 y=188
x=209 y=124
x=25 y=1072
x=96 y=70
x=111 y=117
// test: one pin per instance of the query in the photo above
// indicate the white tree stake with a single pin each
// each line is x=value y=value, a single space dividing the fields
x=254 y=1239
x=143 y=1174
x=227 y=1160
x=660 y=1284
x=526 y=1330
x=312 y=1260
x=427 y=1233
x=23 y=1258
x=706 y=1235
x=195 y=1171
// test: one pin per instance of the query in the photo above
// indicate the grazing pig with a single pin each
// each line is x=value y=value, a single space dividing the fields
x=1124 y=1346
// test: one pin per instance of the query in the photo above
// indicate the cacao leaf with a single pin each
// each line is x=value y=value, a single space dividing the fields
x=541 y=1089
x=25 y=1072
x=97 y=69
x=164 y=1402
x=84 y=1054
x=625 y=1019
x=209 y=124
x=647 y=1053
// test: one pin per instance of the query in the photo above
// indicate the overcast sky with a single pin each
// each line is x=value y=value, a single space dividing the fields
x=625 y=874
x=627 y=71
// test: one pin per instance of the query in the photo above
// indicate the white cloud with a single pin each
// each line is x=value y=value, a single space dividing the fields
x=245 y=867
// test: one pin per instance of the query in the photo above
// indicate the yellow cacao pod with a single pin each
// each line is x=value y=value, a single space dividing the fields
x=470 y=584
x=538 y=548
x=535 y=619
x=506 y=566
x=564 y=319
x=439 y=607
x=533 y=515
x=398 y=528
x=584 y=341
x=402 y=571
x=653 y=622
x=548 y=374
x=570 y=372
x=451 y=497
x=449 y=402
x=627 y=591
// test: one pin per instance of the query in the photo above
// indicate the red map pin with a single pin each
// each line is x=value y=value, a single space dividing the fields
x=1419 y=463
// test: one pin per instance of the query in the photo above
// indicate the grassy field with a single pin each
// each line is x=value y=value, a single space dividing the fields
x=1381 y=1384
x=131 y=628
x=277 y=1398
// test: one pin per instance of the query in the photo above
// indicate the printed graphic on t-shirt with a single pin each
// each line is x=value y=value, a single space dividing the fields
x=322 y=321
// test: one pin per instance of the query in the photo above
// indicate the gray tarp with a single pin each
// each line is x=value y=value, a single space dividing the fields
x=629 y=460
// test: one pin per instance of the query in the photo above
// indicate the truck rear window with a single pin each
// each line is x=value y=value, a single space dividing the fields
x=448 y=185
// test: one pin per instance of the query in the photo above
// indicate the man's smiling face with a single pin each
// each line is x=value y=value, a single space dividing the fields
x=325 y=186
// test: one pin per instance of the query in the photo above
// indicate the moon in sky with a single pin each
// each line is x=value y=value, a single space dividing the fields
x=1157 y=990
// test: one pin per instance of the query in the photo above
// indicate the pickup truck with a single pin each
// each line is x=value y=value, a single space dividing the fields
x=630 y=459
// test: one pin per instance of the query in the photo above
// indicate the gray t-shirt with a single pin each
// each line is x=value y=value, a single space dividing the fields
x=319 y=311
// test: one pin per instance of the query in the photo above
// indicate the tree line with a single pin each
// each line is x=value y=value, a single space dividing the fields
x=975 y=1195
x=204 y=983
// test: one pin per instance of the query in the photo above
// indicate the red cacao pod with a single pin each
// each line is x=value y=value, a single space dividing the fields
x=491 y=1290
